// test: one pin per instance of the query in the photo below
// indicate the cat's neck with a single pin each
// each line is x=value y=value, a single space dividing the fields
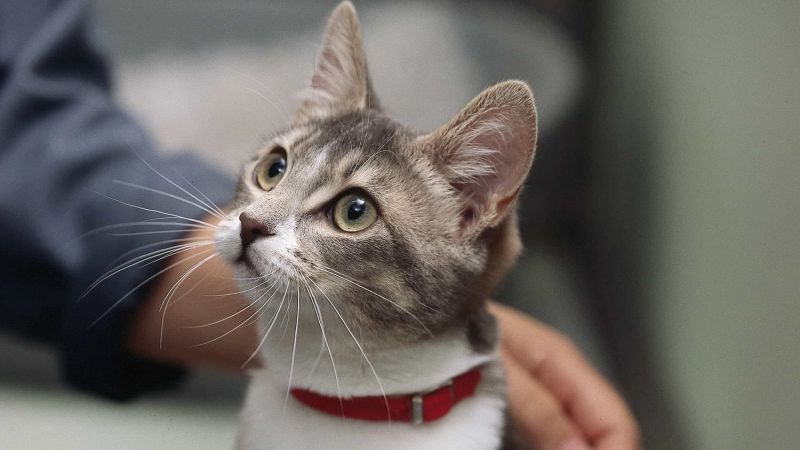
x=338 y=365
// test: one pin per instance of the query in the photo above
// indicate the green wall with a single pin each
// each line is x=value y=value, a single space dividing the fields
x=708 y=94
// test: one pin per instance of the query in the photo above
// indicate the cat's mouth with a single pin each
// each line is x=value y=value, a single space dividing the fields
x=264 y=268
x=245 y=260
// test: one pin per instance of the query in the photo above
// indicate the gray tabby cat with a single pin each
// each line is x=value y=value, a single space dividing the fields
x=381 y=246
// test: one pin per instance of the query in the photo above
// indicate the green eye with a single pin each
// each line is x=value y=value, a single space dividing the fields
x=270 y=171
x=354 y=212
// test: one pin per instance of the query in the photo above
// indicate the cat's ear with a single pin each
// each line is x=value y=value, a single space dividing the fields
x=341 y=81
x=485 y=152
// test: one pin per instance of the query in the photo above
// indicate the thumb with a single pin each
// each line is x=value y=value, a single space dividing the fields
x=536 y=412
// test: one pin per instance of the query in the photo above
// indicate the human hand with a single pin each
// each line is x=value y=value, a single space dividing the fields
x=556 y=399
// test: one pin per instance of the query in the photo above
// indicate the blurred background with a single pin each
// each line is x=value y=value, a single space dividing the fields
x=662 y=220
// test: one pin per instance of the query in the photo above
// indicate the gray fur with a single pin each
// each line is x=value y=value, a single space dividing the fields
x=446 y=232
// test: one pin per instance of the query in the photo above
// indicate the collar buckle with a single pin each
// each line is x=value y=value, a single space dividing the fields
x=416 y=409
x=418 y=401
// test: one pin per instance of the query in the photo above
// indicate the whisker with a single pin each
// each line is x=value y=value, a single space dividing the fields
x=266 y=333
x=191 y=289
x=144 y=223
x=294 y=350
x=202 y=207
x=245 y=278
x=165 y=214
x=354 y=283
x=152 y=244
x=317 y=360
x=285 y=319
x=248 y=306
x=344 y=277
x=428 y=307
x=257 y=312
x=250 y=321
x=266 y=280
x=168 y=297
x=144 y=260
x=167 y=179
x=210 y=203
x=360 y=348
x=147 y=280
x=186 y=228
x=318 y=312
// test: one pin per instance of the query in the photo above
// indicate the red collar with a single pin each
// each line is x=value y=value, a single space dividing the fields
x=415 y=408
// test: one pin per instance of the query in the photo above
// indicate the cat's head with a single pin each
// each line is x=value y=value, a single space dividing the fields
x=406 y=234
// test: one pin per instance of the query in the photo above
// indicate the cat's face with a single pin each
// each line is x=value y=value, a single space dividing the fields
x=402 y=234
x=353 y=202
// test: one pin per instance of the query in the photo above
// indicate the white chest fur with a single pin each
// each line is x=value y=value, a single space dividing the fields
x=273 y=420
x=475 y=423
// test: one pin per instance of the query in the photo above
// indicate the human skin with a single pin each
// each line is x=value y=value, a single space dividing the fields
x=557 y=400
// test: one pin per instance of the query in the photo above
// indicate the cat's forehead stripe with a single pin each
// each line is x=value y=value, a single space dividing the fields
x=330 y=175
x=298 y=136
x=320 y=159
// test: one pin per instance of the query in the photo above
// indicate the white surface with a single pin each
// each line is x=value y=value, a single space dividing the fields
x=38 y=412
x=42 y=419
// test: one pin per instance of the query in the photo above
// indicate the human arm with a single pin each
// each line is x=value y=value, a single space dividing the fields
x=64 y=145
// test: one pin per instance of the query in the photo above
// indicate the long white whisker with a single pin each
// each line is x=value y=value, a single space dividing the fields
x=250 y=320
x=266 y=333
x=165 y=214
x=346 y=278
x=354 y=283
x=266 y=280
x=285 y=319
x=317 y=360
x=318 y=312
x=167 y=179
x=248 y=306
x=144 y=260
x=185 y=228
x=294 y=350
x=210 y=203
x=191 y=289
x=245 y=278
x=155 y=222
x=168 y=297
x=153 y=244
x=257 y=312
x=360 y=348
x=202 y=207
x=150 y=278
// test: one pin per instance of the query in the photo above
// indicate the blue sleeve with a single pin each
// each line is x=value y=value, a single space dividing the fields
x=64 y=145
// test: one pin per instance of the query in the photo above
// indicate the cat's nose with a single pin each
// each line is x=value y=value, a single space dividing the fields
x=252 y=229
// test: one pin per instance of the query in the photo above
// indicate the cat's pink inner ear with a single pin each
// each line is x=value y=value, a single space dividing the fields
x=487 y=150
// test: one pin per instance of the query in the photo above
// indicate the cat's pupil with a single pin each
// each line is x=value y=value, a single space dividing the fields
x=277 y=168
x=356 y=209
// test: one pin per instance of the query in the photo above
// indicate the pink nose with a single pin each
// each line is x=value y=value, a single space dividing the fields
x=252 y=229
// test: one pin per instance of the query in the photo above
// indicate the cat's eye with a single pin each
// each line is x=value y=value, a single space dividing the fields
x=270 y=171
x=354 y=212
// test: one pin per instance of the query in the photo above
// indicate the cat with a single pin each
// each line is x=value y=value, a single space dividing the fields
x=381 y=246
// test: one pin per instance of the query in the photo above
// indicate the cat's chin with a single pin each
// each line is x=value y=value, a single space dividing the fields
x=251 y=267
